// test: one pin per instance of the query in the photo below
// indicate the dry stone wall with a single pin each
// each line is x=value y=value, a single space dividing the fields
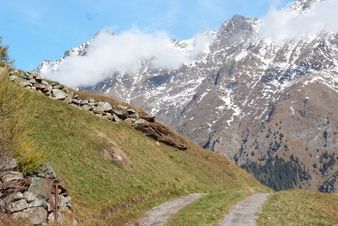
x=115 y=113
x=38 y=197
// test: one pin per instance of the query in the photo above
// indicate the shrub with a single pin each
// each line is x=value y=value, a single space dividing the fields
x=4 y=58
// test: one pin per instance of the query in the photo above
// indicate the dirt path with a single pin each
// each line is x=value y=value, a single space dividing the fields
x=244 y=213
x=160 y=214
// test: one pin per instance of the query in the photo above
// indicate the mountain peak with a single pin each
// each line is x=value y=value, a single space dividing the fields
x=303 y=5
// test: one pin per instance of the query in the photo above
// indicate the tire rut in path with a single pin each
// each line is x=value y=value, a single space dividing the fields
x=244 y=213
x=159 y=215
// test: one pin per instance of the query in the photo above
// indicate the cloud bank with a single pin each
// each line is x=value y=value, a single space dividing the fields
x=125 y=53
x=285 y=24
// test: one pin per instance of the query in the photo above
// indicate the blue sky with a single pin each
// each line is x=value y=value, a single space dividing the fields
x=37 y=30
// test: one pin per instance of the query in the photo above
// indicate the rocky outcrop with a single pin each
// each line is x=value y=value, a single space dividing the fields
x=38 y=197
x=115 y=113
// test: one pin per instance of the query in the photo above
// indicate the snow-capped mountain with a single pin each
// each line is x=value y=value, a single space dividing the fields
x=272 y=107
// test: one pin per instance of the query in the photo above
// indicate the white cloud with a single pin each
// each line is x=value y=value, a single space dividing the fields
x=124 y=53
x=282 y=25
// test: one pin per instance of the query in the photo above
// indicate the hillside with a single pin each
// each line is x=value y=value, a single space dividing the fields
x=103 y=190
x=264 y=104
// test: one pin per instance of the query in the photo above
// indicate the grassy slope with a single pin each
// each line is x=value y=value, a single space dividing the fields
x=210 y=209
x=299 y=207
x=104 y=192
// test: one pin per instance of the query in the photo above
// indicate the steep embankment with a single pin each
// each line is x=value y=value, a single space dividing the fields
x=105 y=191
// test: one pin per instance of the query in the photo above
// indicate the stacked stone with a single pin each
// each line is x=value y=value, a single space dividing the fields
x=33 y=196
x=59 y=92
x=115 y=113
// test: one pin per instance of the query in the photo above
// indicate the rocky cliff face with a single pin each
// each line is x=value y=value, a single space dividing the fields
x=270 y=107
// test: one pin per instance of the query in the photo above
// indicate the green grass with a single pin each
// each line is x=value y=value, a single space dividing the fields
x=105 y=193
x=298 y=208
x=210 y=209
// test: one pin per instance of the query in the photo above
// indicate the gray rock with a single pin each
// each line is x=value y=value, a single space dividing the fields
x=39 y=86
x=58 y=86
x=44 y=82
x=104 y=107
x=47 y=171
x=116 y=118
x=40 y=187
x=9 y=164
x=131 y=113
x=38 y=203
x=47 y=90
x=13 y=197
x=11 y=175
x=37 y=76
x=64 y=201
x=35 y=215
x=140 y=121
x=85 y=101
x=32 y=81
x=17 y=206
x=2 y=205
x=130 y=120
x=77 y=102
x=59 y=94
x=91 y=100
x=118 y=112
x=29 y=196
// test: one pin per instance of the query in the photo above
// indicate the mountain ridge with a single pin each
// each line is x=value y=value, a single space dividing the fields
x=252 y=100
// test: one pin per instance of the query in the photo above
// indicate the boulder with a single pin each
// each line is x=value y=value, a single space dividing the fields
x=38 y=203
x=32 y=81
x=47 y=90
x=11 y=175
x=47 y=171
x=118 y=112
x=29 y=196
x=131 y=113
x=36 y=215
x=44 y=82
x=9 y=164
x=40 y=187
x=58 y=86
x=116 y=118
x=13 y=197
x=130 y=120
x=162 y=134
x=77 y=102
x=140 y=121
x=39 y=86
x=59 y=94
x=104 y=107
x=64 y=201
x=17 y=206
